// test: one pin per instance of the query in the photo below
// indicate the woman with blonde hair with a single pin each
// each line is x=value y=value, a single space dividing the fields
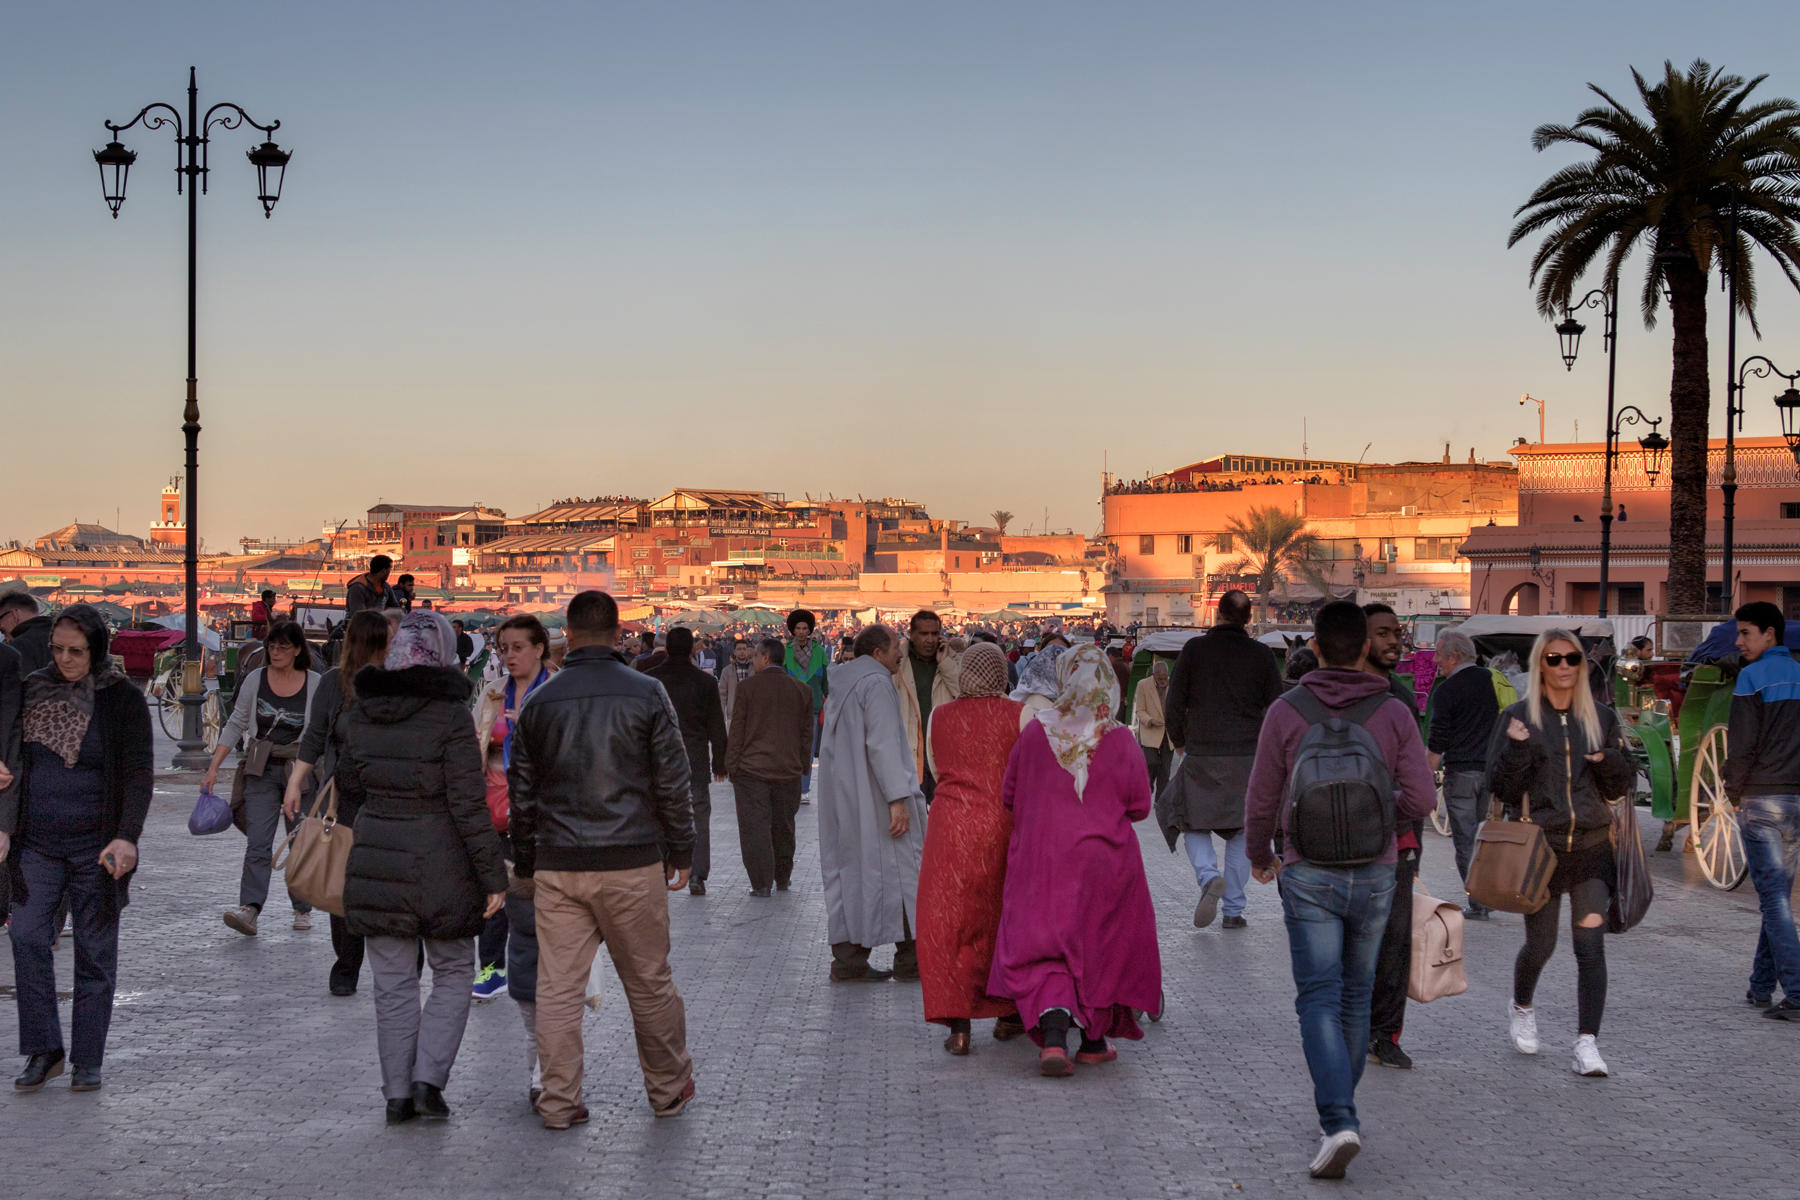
x=1558 y=752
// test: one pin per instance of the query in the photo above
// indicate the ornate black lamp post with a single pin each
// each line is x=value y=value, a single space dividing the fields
x=1568 y=334
x=192 y=138
x=1652 y=446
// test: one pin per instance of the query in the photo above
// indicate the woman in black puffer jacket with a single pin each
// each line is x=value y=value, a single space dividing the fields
x=1562 y=754
x=426 y=866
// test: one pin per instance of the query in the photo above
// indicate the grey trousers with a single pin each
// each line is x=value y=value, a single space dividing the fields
x=262 y=815
x=418 y=1044
x=1466 y=801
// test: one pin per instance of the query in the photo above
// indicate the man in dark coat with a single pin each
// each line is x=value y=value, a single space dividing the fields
x=26 y=631
x=1223 y=682
x=695 y=695
x=602 y=820
x=12 y=697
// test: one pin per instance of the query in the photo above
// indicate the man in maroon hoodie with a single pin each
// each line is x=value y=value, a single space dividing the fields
x=1335 y=915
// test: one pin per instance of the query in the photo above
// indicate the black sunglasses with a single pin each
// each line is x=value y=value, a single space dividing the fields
x=1566 y=660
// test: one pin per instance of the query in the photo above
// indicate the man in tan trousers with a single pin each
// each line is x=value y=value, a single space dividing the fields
x=602 y=820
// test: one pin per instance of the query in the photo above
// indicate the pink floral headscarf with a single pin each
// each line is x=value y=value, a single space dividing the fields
x=1087 y=698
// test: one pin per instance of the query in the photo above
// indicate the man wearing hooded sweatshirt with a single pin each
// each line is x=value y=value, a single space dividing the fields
x=1335 y=915
x=27 y=631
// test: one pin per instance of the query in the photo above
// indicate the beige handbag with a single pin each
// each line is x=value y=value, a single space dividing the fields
x=1437 y=949
x=317 y=853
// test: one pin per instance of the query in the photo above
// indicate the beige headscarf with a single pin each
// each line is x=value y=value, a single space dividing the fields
x=983 y=671
x=1087 y=698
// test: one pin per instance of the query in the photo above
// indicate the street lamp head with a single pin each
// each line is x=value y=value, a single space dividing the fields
x=267 y=158
x=1568 y=332
x=115 y=167
x=1788 y=404
x=1653 y=446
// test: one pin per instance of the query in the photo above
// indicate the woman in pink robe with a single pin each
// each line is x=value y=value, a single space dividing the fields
x=1077 y=941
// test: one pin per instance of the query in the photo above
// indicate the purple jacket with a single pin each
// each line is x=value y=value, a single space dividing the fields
x=1394 y=730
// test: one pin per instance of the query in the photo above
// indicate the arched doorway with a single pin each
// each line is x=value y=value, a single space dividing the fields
x=1522 y=601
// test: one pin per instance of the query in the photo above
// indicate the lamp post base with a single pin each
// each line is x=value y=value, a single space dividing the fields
x=191 y=753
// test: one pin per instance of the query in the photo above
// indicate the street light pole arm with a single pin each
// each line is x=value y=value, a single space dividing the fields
x=232 y=117
x=156 y=122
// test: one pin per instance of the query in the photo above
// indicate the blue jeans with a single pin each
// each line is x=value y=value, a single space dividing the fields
x=47 y=880
x=1335 y=917
x=806 y=775
x=1771 y=826
x=1206 y=867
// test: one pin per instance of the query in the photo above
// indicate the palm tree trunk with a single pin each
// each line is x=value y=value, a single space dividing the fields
x=1690 y=402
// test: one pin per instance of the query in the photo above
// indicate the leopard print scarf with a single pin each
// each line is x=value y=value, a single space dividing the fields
x=57 y=712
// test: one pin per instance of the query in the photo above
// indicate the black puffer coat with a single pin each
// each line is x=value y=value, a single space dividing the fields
x=426 y=855
x=1550 y=771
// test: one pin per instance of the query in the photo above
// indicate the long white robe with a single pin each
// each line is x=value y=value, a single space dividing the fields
x=865 y=764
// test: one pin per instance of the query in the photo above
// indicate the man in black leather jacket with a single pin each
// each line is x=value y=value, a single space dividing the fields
x=695 y=694
x=603 y=822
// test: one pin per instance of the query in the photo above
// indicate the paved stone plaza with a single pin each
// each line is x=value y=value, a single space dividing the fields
x=231 y=1072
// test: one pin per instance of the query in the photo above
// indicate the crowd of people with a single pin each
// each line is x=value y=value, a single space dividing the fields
x=1164 y=483
x=976 y=800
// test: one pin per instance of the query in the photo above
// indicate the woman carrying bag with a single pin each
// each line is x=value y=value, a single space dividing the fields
x=365 y=645
x=271 y=707
x=1562 y=754
x=426 y=867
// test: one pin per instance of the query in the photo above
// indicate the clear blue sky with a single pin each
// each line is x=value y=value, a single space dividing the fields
x=954 y=251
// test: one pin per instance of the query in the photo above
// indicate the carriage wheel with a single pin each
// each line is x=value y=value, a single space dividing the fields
x=212 y=720
x=168 y=710
x=1717 y=841
x=1440 y=816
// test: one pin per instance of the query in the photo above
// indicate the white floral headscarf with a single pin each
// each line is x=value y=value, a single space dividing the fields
x=1087 y=698
x=425 y=639
x=1037 y=674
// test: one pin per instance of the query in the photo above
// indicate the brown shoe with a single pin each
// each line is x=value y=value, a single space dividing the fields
x=958 y=1043
x=242 y=919
x=674 y=1107
x=580 y=1117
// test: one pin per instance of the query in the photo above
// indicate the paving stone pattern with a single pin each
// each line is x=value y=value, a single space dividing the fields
x=231 y=1071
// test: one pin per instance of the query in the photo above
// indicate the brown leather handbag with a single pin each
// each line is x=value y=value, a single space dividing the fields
x=317 y=854
x=1513 y=863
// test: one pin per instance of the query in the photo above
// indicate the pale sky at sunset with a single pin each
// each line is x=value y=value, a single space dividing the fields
x=952 y=251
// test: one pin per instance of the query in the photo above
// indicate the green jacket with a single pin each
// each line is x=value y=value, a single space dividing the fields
x=813 y=675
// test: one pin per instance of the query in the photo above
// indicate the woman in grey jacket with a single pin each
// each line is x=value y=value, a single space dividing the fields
x=270 y=709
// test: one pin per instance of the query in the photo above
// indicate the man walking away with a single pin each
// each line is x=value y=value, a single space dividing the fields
x=1147 y=721
x=1762 y=776
x=1394 y=964
x=695 y=695
x=1463 y=711
x=1223 y=683
x=871 y=815
x=769 y=749
x=928 y=675
x=602 y=820
x=1335 y=914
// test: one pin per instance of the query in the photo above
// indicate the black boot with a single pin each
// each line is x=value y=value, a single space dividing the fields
x=399 y=1112
x=39 y=1070
x=429 y=1102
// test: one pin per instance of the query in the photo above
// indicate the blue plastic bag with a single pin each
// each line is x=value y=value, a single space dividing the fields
x=212 y=814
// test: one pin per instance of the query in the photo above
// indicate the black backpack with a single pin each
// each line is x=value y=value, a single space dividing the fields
x=1340 y=793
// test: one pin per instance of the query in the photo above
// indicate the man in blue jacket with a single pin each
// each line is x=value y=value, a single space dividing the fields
x=1762 y=775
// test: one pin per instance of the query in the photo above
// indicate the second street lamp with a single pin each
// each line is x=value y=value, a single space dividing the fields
x=1652 y=446
x=193 y=136
x=1568 y=333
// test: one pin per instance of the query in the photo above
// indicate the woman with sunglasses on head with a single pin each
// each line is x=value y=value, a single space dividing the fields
x=1562 y=754
x=270 y=709
x=69 y=827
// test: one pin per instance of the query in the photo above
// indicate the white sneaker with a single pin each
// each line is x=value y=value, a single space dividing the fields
x=302 y=921
x=1335 y=1152
x=1524 y=1030
x=1587 y=1057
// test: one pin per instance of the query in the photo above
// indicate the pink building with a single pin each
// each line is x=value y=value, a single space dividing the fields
x=1550 y=561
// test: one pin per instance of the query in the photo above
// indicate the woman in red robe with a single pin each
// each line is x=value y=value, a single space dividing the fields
x=1077 y=942
x=963 y=872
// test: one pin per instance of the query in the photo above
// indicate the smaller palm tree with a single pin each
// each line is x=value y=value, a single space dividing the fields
x=1001 y=518
x=1270 y=543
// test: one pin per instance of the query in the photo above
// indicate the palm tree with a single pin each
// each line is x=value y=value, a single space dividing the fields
x=1271 y=544
x=1000 y=518
x=1672 y=182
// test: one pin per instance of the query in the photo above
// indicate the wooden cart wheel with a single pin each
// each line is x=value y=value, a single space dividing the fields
x=1717 y=841
x=1440 y=816
x=212 y=720
x=168 y=709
